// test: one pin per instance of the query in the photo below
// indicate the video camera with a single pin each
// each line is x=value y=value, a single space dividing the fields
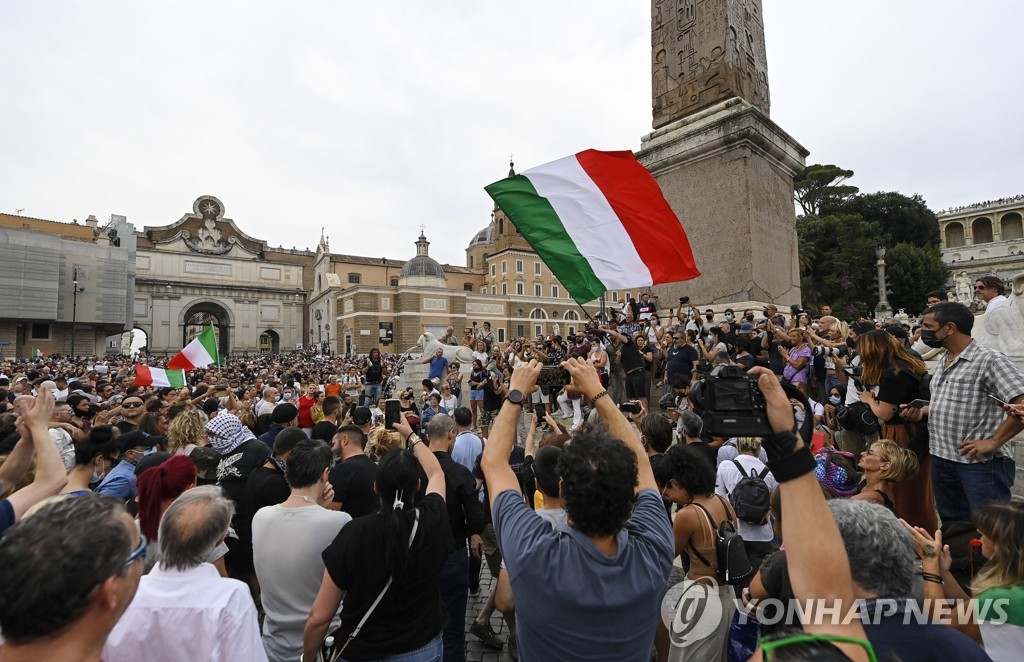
x=731 y=404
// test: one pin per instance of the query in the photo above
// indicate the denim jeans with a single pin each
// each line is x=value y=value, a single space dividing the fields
x=454 y=593
x=960 y=488
x=371 y=392
x=432 y=652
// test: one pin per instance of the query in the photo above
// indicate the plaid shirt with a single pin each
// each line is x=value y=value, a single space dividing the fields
x=961 y=409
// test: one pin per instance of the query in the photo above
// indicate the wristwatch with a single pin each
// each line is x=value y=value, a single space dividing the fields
x=515 y=396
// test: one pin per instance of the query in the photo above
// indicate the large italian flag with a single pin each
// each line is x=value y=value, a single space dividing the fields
x=599 y=221
x=199 y=353
x=146 y=376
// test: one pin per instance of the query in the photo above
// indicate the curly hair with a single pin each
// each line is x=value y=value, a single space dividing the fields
x=688 y=467
x=599 y=479
x=188 y=427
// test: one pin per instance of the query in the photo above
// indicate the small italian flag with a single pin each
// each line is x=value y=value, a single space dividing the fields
x=38 y=352
x=599 y=221
x=199 y=353
x=146 y=376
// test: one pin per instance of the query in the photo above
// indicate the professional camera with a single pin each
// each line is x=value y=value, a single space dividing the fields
x=840 y=351
x=795 y=309
x=684 y=300
x=731 y=404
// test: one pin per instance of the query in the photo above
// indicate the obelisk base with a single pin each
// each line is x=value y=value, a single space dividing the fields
x=727 y=171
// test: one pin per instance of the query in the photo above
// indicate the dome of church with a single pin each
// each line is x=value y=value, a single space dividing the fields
x=485 y=236
x=422 y=265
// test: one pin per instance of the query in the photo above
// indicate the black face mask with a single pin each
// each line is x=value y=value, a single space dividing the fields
x=750 y=317
x=929 y=338
x=709 y=317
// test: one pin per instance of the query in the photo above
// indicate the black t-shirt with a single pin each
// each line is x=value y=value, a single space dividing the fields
x=679 y=361
x=411 y=612
x=630 y=356
x=265 y=487
x=353 y=481
x=462 y=498
x=523 y=471
x=324 y=430
x=492 y=399
x=898 y=388
x=375 y=374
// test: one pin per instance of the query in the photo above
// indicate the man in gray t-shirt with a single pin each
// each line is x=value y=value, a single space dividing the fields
x=591 y=588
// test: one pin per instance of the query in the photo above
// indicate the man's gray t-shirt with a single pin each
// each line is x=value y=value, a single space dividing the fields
x=572 y=601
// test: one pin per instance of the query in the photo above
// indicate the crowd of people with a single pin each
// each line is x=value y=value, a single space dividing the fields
x=300 y=505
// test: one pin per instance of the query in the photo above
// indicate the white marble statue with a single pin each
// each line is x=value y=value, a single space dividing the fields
x=430 y=344
x=1002 y=328
x=964 y=289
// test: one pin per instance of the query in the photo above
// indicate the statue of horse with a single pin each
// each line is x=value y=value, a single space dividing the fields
x=430 y=344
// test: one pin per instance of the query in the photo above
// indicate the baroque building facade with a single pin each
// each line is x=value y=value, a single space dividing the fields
x=984 y=238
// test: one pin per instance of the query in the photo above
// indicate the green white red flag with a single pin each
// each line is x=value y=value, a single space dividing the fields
x=146 y=376
x=199 y=353
x=599 y=221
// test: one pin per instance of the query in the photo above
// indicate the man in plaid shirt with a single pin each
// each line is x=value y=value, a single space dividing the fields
x=968 y=428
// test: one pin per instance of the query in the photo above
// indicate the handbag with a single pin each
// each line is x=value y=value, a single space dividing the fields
x=333 y=657
x=858 y=417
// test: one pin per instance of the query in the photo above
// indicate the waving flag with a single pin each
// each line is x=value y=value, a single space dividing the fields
x=146 y=376
x=199 y=353
x=599 y=221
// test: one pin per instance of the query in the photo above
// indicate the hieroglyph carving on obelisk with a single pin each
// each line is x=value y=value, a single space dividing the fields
x=704 y=52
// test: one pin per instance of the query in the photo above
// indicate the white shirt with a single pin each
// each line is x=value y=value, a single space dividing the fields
x=187 y=616
x=286 y=548
x=264 y=407
x=727 y=479
x=65 y=445
x=995 y=302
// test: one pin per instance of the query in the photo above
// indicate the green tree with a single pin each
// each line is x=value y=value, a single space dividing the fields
x=913 y=271
x=843 y=268
x=902 y=219
x=818 y=186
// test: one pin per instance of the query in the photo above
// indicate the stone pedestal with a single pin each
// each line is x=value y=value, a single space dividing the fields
x=727 y=171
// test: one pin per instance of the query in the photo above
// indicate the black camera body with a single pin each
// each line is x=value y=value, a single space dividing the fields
x=731 y=404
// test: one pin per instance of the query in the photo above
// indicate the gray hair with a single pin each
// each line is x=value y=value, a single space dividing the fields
x=693 y=424
x=193 y=526
x=880 y=550
x=439 y=426
x=267 y=390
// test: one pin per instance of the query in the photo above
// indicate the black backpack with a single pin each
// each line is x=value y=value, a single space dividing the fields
x=731 y=562
x=751 y=498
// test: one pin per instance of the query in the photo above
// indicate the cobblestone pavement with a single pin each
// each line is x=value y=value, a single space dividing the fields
x=476 y=651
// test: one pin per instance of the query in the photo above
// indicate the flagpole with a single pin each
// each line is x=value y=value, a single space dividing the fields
x=216 y=344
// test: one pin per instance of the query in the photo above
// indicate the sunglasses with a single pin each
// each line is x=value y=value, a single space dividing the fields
x=130 y=405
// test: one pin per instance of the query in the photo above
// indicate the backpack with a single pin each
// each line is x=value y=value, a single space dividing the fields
x=731 y=563
x=751 y=498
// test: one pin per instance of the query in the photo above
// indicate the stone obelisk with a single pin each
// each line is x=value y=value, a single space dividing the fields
x=726 y=169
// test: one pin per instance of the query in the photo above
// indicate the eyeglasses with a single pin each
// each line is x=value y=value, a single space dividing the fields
x=768 y=647
x=130 y=405
x=980 y=287
x=139 y=553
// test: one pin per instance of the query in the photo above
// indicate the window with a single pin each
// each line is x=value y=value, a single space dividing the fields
x=40 y=332
x=355 y=279
x=470 y=261
x=494 y=270
x=554 y=291
x=483 y=289
x=394 y=282
x=504 y=289
x=615 y=297
x=519 y=266
x=538 y=330
x=494 y=290
x=981 y=229
x=536 y=290
x=1012 y=226
x=520 y=330
x=536 y=268
x=468 y=287
x=519 y=289
x=504 y=266
x=501 y=335
x=572 y=315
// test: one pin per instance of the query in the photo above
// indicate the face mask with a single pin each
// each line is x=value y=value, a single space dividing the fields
x=929 y=338
x=750 y=317
x=97 y=477
x=709 y=317
x=287 y=396
x=834 y=399
x=277 y=398
x=709 y=338
x=728 y=316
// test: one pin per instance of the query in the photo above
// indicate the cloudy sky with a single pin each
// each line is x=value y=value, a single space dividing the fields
x=371 y=118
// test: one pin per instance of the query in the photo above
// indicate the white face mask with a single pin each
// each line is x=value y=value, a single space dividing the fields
x=97 y=477
x=834 y=399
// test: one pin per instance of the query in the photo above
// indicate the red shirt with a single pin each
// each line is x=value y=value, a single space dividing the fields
x=306 y=411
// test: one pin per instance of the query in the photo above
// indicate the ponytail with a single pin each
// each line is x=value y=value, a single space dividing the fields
x=398 y=477
x=159 y=485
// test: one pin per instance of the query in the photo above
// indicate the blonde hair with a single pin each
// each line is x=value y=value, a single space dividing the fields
x=903 y=464
x=748 y=445
x=188 y=427
x=844 y=330
x=1003 y=524
x=384 y=441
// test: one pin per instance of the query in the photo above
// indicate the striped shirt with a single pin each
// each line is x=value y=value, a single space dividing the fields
x=961 y=407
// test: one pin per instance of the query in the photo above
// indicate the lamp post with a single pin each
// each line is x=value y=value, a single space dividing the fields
x=883 y=310
x=74 y=309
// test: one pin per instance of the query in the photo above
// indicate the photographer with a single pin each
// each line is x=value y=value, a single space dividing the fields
x=633 y=366
x=848 y=369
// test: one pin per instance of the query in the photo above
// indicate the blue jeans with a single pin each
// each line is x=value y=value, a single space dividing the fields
x=454 y=593
x=961 y=488
x=430 y=653
x=371 y=392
